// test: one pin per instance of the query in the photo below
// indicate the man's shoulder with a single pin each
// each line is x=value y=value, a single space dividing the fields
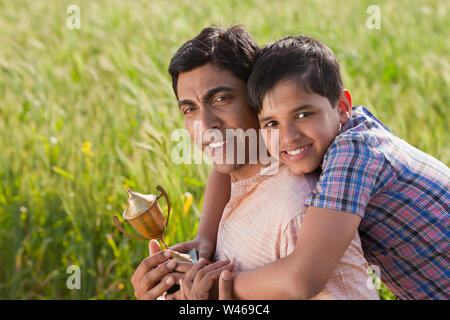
x=287 y=188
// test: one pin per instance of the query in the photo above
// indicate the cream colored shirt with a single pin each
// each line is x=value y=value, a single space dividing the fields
x=261 y=222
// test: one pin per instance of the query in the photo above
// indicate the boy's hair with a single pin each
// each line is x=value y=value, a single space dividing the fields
x=300 y=58
x=233 y=49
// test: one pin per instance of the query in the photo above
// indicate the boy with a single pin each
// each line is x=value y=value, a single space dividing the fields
x=396 y=195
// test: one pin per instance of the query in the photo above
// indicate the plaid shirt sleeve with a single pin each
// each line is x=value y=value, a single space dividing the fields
x=352 y=173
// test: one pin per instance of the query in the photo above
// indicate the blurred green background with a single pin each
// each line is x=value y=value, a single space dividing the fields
x=85 y=113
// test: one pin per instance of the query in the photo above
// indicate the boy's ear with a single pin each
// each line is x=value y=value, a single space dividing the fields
x=345 y=106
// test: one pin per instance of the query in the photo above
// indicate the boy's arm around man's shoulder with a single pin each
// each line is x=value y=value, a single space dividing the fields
x=323 y=238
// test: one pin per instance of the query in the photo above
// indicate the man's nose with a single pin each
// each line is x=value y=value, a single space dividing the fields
x=210 y=121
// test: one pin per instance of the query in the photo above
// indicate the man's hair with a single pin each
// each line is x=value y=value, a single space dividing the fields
x=307 y=61
x=232 y=49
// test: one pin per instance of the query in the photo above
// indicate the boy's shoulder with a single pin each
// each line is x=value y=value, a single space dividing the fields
x=363 y=125
x=363 y=134
x=366 y=140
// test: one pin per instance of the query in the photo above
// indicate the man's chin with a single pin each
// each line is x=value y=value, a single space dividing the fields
x=227 y=168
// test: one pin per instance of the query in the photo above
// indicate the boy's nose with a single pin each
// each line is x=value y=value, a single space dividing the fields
x=289 y=135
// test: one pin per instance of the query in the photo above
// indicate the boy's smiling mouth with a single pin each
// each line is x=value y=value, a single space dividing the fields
x=296 y=153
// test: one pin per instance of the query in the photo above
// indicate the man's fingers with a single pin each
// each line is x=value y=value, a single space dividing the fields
x=178 y=276
x=153 y=247
x=182 y=247
x=158 y=290
x=151 y=278
x=174 y=296
x=225 y=285
x=182 y=296
x=148 y=264
x=184 y=266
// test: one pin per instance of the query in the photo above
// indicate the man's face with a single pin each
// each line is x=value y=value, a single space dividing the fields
x=216 y=99
x=307 y=125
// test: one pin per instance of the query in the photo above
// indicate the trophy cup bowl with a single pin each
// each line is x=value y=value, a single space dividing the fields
x=146 y=217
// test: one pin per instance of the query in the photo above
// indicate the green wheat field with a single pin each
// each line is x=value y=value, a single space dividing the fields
x=86 y=113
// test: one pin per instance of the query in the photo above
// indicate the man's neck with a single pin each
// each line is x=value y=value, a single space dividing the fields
x=246 y=171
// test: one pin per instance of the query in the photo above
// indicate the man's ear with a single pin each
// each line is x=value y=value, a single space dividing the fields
x=345 y=106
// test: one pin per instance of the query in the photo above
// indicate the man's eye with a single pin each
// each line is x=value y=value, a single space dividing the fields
x=221 y=99
x=187 y=110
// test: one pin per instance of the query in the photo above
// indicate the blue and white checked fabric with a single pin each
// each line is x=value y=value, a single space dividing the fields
x=402 y=195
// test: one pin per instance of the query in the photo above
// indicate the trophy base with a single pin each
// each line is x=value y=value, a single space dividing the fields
x=191 y=256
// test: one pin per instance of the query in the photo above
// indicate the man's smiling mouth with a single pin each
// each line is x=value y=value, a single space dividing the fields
x=217 y=144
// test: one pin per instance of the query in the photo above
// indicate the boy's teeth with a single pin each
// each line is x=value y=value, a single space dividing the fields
x=294 y=152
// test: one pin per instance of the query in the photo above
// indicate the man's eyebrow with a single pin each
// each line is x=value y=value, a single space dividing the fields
x=207 y=97
x=185 y=102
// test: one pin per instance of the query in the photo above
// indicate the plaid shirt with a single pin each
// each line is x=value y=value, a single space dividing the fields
x=402 y=195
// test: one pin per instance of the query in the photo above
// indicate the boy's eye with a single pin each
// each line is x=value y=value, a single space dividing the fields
x=302 y=115
x=270 y=124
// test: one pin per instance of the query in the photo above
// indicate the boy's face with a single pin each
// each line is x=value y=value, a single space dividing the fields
x=306 y=121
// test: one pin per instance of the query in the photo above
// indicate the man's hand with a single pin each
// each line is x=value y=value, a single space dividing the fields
x=204 y=246
x=200 y=279
x=154 y=276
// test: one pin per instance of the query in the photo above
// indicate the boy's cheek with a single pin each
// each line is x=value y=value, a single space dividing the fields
x=271 y=140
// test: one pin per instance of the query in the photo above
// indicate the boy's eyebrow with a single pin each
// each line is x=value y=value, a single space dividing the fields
x=265 y=119
x=300 y=108
x=207 y=97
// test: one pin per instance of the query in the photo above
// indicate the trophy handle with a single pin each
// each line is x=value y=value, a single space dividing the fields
x=119 y=226
x=164 y=193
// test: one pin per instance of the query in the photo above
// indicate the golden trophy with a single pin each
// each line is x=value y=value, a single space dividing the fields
x=146 y=217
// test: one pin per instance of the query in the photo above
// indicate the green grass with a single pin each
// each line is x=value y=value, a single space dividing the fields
x=85 y=113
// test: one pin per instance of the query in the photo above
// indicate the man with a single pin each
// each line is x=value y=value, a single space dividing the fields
x=217 y=61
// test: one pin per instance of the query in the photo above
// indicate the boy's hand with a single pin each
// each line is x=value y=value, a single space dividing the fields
x=202 y=244
x=225 y=285
x=200 y=279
